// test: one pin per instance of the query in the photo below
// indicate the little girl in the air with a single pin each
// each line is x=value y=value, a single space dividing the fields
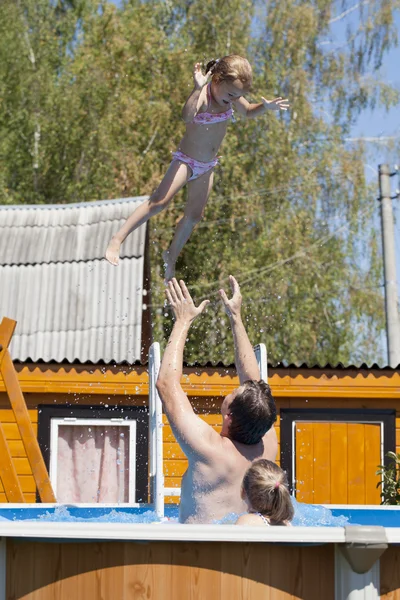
x=206 y=113
x=266 y=493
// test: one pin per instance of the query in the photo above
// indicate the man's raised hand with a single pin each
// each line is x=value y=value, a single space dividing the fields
x=181 y=302
x=232 y=306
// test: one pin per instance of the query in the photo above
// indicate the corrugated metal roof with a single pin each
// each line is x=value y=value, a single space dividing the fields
x=69 y=302
x=65 y=232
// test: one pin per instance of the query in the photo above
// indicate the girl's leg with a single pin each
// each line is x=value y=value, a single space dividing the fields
x=198 y=193
x=175 y=178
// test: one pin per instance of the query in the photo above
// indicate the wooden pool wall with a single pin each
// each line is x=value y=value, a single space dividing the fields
x=38 y=570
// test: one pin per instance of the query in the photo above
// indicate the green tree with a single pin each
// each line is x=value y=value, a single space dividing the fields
x=292 y=216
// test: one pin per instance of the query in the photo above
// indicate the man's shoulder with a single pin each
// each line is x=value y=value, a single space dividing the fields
x=221 y=450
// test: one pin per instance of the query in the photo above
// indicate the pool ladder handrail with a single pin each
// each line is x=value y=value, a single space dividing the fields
x=158 y=491
x=156 y=471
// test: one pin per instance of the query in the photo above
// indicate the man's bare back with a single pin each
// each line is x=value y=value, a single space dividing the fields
x=209 y=491
x=211 y=486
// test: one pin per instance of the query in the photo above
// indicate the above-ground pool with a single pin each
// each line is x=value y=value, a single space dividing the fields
x=52 y=552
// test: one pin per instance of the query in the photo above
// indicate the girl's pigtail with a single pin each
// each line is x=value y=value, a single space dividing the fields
x=282 y=510
x=211 y=65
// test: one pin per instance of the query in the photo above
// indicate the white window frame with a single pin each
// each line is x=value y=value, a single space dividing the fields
x=130 y=424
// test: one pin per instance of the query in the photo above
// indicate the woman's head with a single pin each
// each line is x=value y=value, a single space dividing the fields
x=266 y=491
x=231 y=77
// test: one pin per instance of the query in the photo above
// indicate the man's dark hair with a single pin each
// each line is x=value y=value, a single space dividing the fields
x=253 y=412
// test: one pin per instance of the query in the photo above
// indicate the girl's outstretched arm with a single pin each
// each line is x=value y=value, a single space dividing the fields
x=251 y=111
x=198 y=97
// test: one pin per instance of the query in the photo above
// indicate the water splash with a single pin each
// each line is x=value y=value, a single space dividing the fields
x=306 y=515
x=313 y=515
x=62 y=514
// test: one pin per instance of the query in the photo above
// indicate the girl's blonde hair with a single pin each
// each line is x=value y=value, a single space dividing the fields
x=230 y=68
x=267 y=491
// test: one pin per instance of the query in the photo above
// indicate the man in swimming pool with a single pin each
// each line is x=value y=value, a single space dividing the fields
x=217 y=461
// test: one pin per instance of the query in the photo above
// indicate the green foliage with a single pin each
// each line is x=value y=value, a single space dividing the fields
x=90 y=103
x=390 y=480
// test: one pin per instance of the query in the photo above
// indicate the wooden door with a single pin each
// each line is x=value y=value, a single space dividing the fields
x=336 y=462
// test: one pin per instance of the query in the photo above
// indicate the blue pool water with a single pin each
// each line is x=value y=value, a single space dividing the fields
x=305 y=515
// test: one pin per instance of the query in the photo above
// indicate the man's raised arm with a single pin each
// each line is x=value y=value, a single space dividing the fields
x=194 y=435
x=245 y=359
x=169 y=378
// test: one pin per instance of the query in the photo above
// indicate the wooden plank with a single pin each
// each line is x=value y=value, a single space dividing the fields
x=168 y=571
x=356 y=463
x=8 y=473
x=191 y=574
x=322 y=463
x=172 y=500
x=304 y=462
x=26 y=430
x=12 y=432
x=28 y=498
x=26 y=482
x=17 y=449
x=390 y=574
x=7 y=415
x=172 y=451
x=22 y=466
x=339 y=463
x=174 y=468
x=173 y=481
x=7 y=328
x=372 y=460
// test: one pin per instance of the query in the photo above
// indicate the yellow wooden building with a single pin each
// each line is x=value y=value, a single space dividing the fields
x=335 y=424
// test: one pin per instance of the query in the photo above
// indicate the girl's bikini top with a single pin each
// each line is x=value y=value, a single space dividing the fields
x=207 y=118
x=263 y=518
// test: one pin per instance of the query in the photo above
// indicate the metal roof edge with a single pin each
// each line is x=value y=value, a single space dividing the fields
x=72 y=204
x=209 y=364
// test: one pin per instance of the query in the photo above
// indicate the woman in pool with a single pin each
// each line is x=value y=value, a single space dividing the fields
x=266 y=493
x=206 y=113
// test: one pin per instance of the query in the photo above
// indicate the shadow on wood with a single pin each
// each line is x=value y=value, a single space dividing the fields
x=168 y=571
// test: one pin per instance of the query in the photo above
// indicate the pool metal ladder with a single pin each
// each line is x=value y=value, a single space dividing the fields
x=158 y=491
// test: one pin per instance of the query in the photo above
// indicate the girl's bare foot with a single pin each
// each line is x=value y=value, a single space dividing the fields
x=169 y=266
x=112 y=252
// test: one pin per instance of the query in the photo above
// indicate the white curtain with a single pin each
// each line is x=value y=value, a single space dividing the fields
x=93 y=463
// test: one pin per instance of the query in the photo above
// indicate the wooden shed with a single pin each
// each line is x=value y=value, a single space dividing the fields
x=335 y=424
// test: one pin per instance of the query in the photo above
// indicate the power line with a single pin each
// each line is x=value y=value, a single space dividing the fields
x=272 y=266
x=257 y=192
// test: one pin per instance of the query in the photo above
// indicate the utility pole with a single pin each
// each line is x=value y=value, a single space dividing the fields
x=389 y=263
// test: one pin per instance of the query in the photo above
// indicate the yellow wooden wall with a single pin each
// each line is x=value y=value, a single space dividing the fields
x=207 y=406
x=18 y=454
